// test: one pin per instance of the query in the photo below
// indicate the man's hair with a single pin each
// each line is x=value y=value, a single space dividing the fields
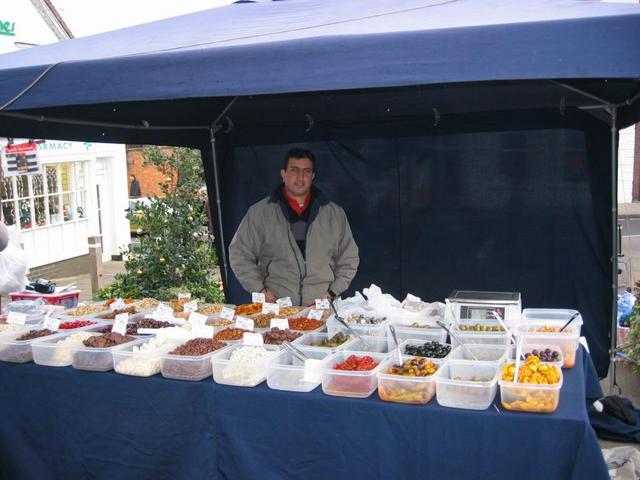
x=299 y=153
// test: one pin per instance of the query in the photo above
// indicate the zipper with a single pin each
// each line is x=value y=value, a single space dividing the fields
x=295 y=255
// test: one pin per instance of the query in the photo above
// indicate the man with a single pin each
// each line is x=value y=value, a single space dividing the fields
x=134 y=189
x=295 y=242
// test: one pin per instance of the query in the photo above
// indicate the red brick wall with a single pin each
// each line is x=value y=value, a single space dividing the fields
x=148 y=176
x=636 y=166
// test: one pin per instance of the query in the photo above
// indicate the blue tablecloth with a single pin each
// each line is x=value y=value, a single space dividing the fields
x=60 y=423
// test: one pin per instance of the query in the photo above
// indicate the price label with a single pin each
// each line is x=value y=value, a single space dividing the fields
x=147 y=331
x=191 y=306
x=412 y=298
x=244 y=323
x=197 y=318
x=271 y=308
x=281 y=323
x=163 y=313
x=120 y=323
x=315 y=314
x=186 y=295
x=17 y=318
x=312 y=370
x=227 y=313
x=322 y=304
x=284 y=302
x=202 y=331
x=252 y=339
x=257 y=297
x=51 y=323
x=118 y=304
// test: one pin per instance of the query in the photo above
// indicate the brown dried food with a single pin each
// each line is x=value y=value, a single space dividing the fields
x=197 y=347
x=107 y=340
x=31 y=334
x=230 y=334
x=111 y=315
x=132 y=328
x=263 y=320
x=275 y=336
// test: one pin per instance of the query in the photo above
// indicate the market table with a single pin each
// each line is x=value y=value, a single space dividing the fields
x=60 y=423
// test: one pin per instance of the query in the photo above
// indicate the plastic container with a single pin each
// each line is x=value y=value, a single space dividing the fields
x=483 y=338
x=47 y=351
x=139 y=364
x=240 y=374
x=371 y=344
x=428 y=315
x=425 y=334
x=345 y=383
x=66 y=299
x=287 y=372
x=528 y=348
x=308 y=339
x=556 y=316
x=18 y=351
x=527 y=397
x=454 y=387
x=495 y=354
x=418 y=342
x=567 y=341
x=374 y=330
x=95 y=359
x=190 y=368
x=403 y=388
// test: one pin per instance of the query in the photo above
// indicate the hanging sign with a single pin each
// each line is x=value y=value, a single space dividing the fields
x=20 y=159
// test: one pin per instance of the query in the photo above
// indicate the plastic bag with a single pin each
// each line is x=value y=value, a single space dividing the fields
x=13 y=269
x=626 y=301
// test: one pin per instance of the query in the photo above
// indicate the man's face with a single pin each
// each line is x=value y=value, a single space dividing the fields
x=298 y=176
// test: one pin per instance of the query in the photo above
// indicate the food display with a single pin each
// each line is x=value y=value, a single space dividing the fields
x=546 y=355
x=75 y=324
x=467 y=384
x=84 y=310
x=289 y=311
x=132 y=328
x=350 y=374
x=10 y=327
x=287 y=372
x=480 y=353
x=145 y=304
x=58 y=353
x=219 y=322
x=537 y=388
x=356 y=363
x=249 y=309
x=33 y=334
x=303 y=323
x=276 y=336
x=111 y=315
x=197 y=347
x=230 y=333
x=107 y=340
x=191 y=360
x=141 y=360
x=15 y=347
x=547 y=333
x=478 y=327
x=211 y=308
x=334 y=341
x=263 y=320
x=407 y=383
x=126 y=301
x=428 y=349
x=361 y=319
x=245 y=366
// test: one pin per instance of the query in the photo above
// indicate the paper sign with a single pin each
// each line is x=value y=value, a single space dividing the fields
x=197 y=318
x=244 y=323
x=412 y=298
x=163 y=313
x=147 y=331
x=253 y=339
x=120 y=323
x=284 y=302
x=322 y=304
x=315 y=314
x=17 y=318
x=191 y=306
x=257 y=297
x=117 y=305
x=51 y=323
x=271 y=308
x=281 y=323
x=312 y=370
x=186 y=295
x=202 y=331
x=227 y=313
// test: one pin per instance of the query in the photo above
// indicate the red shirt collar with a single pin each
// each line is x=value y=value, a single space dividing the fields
x=294 y=203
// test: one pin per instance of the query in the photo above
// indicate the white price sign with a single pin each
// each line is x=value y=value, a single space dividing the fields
x=252 y=339
x=315 y=314
x=17 y=318
x=203 y=331
x=322 y=304
x=312 y=370
x=244 y=323
x=281 y=323
x=412 y=298
x=120 y=323
x=257 y=297
x=284 y=302
x=186 y=295
x=227 y=313
x=191 y=306
x=197 y=318
x=271 y=308
x=117 y=305
x=51 y=323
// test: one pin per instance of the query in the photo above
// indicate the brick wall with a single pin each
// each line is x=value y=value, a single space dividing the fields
x=70 y=267
x=148 y=176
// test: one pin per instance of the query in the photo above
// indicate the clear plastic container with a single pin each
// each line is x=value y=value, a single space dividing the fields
x=287 y=372
x=371 y=344
x=346 y=383
x=190 y=368
x=95 y=359
x=425 y=334
x=483 y=338
x=455 y=387
x=240 y=374
x=47 y=351
x=484 y=353
x=18 y=351
x=526 y=397
x=553 y=316
x=427 y=315
x=414 y=342
x=374 y=330
x=310 y=340
x=528 y=348
x=567 y=340
x=404 y=388
x=139 y=364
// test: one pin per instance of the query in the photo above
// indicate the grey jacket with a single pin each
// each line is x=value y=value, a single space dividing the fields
x=263 y=252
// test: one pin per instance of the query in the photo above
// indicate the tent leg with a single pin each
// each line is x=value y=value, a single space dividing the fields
x=225 y=264
x=614 y=253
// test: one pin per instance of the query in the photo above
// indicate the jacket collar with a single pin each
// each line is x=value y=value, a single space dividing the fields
x=318 y=199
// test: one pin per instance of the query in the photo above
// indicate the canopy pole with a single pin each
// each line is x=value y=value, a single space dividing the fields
x=614 y=247
x=223 y=250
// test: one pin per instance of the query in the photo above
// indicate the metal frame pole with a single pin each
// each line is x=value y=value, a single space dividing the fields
x=614 y=238
x=225 y=264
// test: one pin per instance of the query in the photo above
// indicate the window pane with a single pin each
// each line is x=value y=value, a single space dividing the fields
x=8 y=213
x=81 y=209
x=37 y=184
x=54 y=209
x=41 y=217
x=68 y=205
x=79 y=168
x=7 y=188
x=52 y=179
x=65 y=176
x=22 y=182
x=25 y=214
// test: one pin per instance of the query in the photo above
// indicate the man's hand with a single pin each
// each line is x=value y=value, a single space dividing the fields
x=328 y=296
x=269 y=296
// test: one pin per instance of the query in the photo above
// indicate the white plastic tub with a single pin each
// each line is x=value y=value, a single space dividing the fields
x=346 y=383
x=240 y=374
x=527 y=397
x=190 y=368
x=312 y=340
x=287 y=372
x=371 y=344
x=484 y=353
x=403 y=388
x=454 y=387
x=416 y=343
x=48 y=351
x=18 y=351
x=567 y=340
x=144 y=363
x=95 y=359
x=425 y=334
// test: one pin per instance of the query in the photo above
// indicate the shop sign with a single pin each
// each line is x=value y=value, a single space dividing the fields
x=21 y=158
